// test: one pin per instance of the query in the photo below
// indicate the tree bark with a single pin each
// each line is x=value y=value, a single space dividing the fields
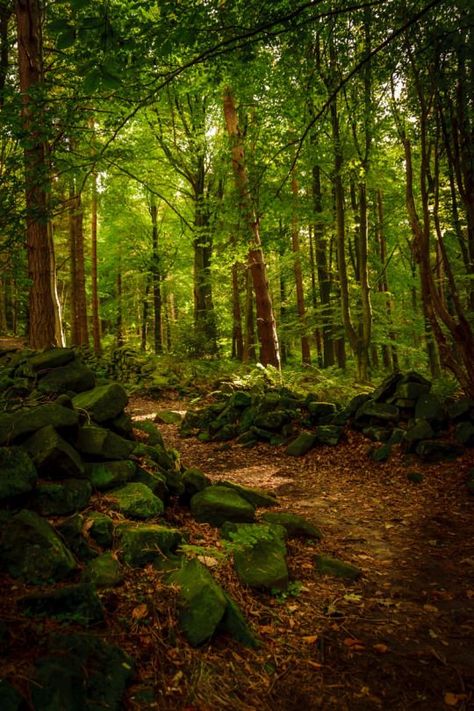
x=42 y=302
x=300 y=305
x=156 y=278
x=266 y=326
x=94 y=274
x=80 y=330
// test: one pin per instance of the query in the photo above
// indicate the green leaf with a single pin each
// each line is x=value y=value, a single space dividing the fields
x=58 y=26
x=92 y=81
x=66 y=39
x=79 y=4
x=109 y=80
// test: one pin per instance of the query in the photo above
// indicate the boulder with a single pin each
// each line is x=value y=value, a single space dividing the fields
x=155 y=480
x=106 y=475
x=136 y=500
x=103 y=402
x=73 y=377
x=302 y=444
x=377 y=434
x=416 y=433
x=98 y=442
x=100 y=528
x=72 y=495
x=80 y=671
x=157 y=454
x=465 y=433
x=296 y=526
x=121 y=425
x=356 y=403
x=217 y=504
x=16 y=425
x=73 y=603
x=337 y=568
x=71 y=531
x=260 y=557
x=168 y=417
x=328 y=434
x=256 y=497
x=234 y=622
x=153 y=434
x=429 y=407
x=148 y=543
x=53 y=358
x=436 y=450
x=17 y=472
x=415 y=477
x=461 y=409
x=104 y=571
x=194 y=480
x=380 y=454
x=31 y=550
x=53 y=457
x=319 y=410
x=372 y=412
x=387 y=388
x=410 y=390
x=240 y=399
x=272 y=421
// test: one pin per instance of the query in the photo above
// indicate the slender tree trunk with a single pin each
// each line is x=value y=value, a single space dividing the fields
x=145 y=309
x=237 y=335
x=266 y=326
x=80 y=330
x=42 y=306
x=94 y=276
x=324 y=277
x=314 y=297
x=389 y=352
x=249 y=337
x=156 y=278
x=300 y=305
x=119 y=318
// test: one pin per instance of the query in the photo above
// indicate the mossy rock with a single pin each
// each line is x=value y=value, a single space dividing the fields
x=136 y=500
x=387 y=388
x=17 y=473
x=53 y=358
x=104 y=571
x=380 y=454
x=155 y=480
x=430 y=407
x=302 y=444
x=465 y=433
x=397 y=436
x=168 y=417
x=154 y=435
x=53 y=457
x=437 y=450
x=99 y=442
x=461 y=409
x=226 y=433
x=141 y=544
x=319 y=410
x=374 y=412
x=416 y=433
x=106 y=475
x=412 y=390
x=337 y=568
x=415 y=477
x=217 y=504
x=121 y=425
x=14 y=426
x=73 y=603
x=256 y=497
x=31 y=550
x=73 y=377
x=234 y=623
x=80 y=671
x=261 y=563
x=52 y=499
x=194 y=480
x=157 y=454
x=103 y=402
x=296 y=526
x=100 y=528
x=273 y=421
x=328 y=435
x=71 y=531
x=240 y=399
x=377 y=434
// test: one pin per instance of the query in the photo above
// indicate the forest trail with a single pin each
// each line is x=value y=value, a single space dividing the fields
x=402 y=636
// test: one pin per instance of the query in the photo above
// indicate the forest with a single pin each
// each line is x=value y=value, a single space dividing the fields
x=236 y=354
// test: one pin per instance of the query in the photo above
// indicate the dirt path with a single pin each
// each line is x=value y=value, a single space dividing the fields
x=400 y=638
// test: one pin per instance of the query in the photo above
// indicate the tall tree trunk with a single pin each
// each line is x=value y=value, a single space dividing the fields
x=119 y=317
x=237 y=334
x=300 y=305
x=249 y=336
x=80 y=330
x=389 y=352
x=94 y=275
x=324 y=276
x=145 y=309
x=314 y=297
x=266 y=326
x=156 y=278
x=42 y=304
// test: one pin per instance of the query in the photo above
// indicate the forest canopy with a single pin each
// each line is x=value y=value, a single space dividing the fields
x=275 y=181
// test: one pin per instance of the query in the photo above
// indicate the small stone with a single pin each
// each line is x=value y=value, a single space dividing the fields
x=106 y=475
x=217 y=504
x=104 y=571
x=194 y=480
x=336 y=567
x=100 y=528
x=301 y=445
x=380 y=454
x=141 y=544
x=136 y=500
x=296 y=526
x=54 y=358
x=415 y=477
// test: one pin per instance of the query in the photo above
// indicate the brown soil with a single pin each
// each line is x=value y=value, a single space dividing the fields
x=400 y=638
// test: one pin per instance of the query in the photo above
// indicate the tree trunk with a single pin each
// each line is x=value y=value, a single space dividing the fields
x=237 y=335
x=80 y=331
x=94 y=278
x=156 y=278
x=42 y=304
x=249 y=338
x=389 y=352
x=266 y=326
x=324 y=277
x=145 y=309
x=300 y=305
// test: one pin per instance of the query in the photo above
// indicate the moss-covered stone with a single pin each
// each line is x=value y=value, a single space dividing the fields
x=100 y=528
x=436 y=450
x=62 y=499
x=202 y=601
x=121 y=425
x=153 y=434
x=154 y=479
x=53 y=457
x=136 y=500
x=157 y=454
x=234 y=622
x=328 y=434
x=301 y=445
x=296 y=526
x=103 y=402
x=71 y=531
x=31 y=550
x=387 y=388
x=99 y=442
x=217 y=504
x=142 y=544
x=415 y=477
x=168 y=417
x=73 y=377
x=317 y=410
x=260 y=556
x=416 y=433
x=377 y=434
x=372 y=412
x=106 y=475
x=17 y=472
x=80 y=672
x=337 y=568
x=256 y=497
x=465 y=433
x=53 y=358
x=194 y=480
x=412 y=390
x=380 y=454
x=73 y=603
x=14 y=426
x=430 y=407
x=272 y=421
x=104 y=571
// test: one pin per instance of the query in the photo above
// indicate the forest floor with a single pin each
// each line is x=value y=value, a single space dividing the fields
x=400 y=638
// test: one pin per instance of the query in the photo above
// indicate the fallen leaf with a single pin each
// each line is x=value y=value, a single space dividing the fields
x=315 y=665
x=430 y=608
x=310 y=639
x=353 y=643
x=451 y=699
x=380 y=648
x=140 y=612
